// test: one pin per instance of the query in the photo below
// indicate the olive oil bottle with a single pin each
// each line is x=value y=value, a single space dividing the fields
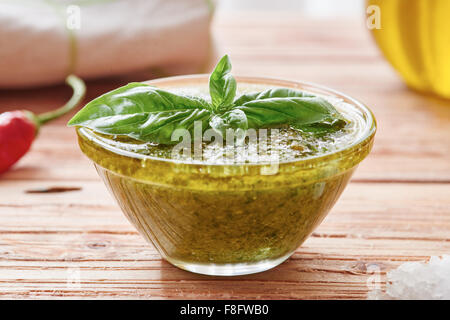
x=415 y=38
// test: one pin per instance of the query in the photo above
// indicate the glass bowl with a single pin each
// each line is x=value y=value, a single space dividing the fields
x=228 y=219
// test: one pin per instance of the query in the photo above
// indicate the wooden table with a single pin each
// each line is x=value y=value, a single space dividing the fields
x=78 y=244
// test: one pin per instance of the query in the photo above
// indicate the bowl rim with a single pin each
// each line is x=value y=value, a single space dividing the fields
x=364 y=138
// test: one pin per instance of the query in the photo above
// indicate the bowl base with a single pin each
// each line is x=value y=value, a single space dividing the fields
x=229 y=269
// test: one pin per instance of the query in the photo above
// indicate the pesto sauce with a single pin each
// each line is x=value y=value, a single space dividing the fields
x=222 y=214
x=289 y=144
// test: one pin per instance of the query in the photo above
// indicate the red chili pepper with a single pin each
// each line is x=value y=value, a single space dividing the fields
x=18 y=129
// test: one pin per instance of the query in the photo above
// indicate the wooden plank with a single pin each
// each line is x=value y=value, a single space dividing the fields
x=86 y=234
x=303 y=276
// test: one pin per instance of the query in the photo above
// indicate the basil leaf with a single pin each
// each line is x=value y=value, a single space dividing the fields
x=222 y=86
x=142 y=112
x=271 y=93
x=234 y=119
x=135 y=98
x=150 y=126
x=281 y=111
x=323 y=127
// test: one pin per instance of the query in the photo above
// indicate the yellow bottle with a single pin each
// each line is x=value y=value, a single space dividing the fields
x=415 y=38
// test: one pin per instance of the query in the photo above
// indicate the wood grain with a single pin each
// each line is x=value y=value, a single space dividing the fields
x=396 y=209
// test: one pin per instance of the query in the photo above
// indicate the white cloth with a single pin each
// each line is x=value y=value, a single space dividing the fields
x=41 y=41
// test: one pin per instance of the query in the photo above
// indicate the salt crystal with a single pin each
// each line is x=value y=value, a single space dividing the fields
x=417 y=281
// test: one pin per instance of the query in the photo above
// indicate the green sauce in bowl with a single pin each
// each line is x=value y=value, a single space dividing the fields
x=240 y=214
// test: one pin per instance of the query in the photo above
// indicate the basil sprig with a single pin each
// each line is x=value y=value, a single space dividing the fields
x=222 y=86
x=150 y=114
